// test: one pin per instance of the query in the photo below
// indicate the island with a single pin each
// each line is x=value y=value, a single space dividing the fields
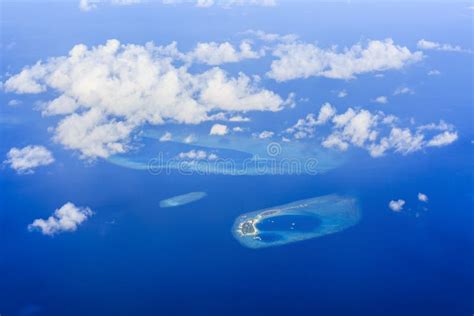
x=296 y=221
x=182 y=199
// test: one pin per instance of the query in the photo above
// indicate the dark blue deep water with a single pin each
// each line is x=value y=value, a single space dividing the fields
x=133 y=258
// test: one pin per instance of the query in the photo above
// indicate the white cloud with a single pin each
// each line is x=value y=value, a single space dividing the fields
x=197 y=155
x=263 y=3
x=381 y=99
x=166 y=137
x=342 y=94
x=290 y=100
x=302 y=60
x=271 y=37
x=27 y=81
x=109 y=91
x=429 y=45
x=326 y=112
x=443 y=139
x=14 y=102
x=229 y=117
x=441 y=126
x=335 y=140
x=219 y=129
x=397 y=205
x=238 y=129
x=189 y=139
x=62 y=105
x=305 y=128
x=375 y=132
x=402 y=140
x=65 y=219
x=25 y=160
x=265 y=135
x=236 y=94
x=125 y=2
x=204 y=3
x=422 y=197
x=239 y=118
x=88 y=5
x=356 y=126
x=223 y=3
x=434 y=72
x=93 y=134
x=403 y=90
x=213 y=53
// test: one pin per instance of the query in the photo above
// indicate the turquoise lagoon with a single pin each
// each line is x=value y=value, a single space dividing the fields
x=233 y=155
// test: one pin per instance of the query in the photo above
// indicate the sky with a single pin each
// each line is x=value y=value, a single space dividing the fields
x=108 y=107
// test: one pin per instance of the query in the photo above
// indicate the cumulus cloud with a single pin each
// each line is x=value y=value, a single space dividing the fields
x=440 y=126
x=356 y=126
x=14 y=102
x=219 y=129
x=397 y=205
x=197 y=155
x=376 y=132
x=401 y=140
x=434 y=72
x=403 y=90
x=189 y=139
x=204 y=3
x=166 y=137
x=65 y=219
x=93 y=134
x=25 y=160
x=422 y=197
x=335 y=141
x=302 y=60
x=107 y=92
x=223 y=3
x=305 y=127
x=429 y=45
x=88 y=5
x=239 y=118
x=263 y=3
x=381 y=99
x=326 y=112
x=342 y=94
x=265 y=134
x=443 y=139
x=271 y=37
x=213 y=53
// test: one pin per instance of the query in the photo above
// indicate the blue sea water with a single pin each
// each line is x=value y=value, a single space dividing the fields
x=134 y=258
